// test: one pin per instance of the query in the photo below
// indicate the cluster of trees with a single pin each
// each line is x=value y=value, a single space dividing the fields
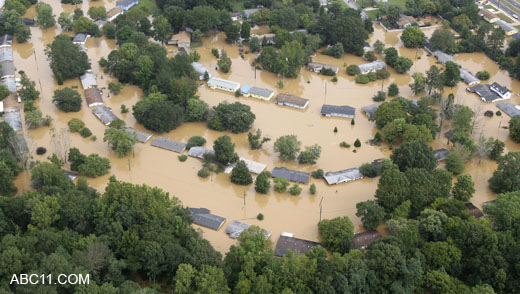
x=399 y=63
x=11 y=22
x=92 y=165
x=67 y=99
x=288 y=148
x=66 y=59
x=235 y=117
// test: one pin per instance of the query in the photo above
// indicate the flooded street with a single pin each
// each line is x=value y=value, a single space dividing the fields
x=283 y=212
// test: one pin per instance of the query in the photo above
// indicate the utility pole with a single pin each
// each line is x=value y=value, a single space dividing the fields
x=245 y=198
x=321 y=207
x=128 y=164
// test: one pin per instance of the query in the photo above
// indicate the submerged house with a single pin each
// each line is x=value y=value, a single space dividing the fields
x=6 y=54
x=6 y=41
x=169 y=144
x=181 y=39
x=88 y=80
x=490 y=93
x=13 y=119
x=291 y=175
x=203 y=217
x=114 y=13
x=252 y=166
x=141 y=137
x=468 y=77
x=507 y=27
x=235 y=228
x=104 y=114
x=291 y=101
x=287 y=242
x=362 y=240
x=250 y=12
x=10 y=83
x=440 y=154
x=93 y=97
x=126 y=4
x=7 y=69
x=255 y=92
x=317 y=67
x=370 y=110
x=474 y=211
x=343 y=176
x=230 y=86
x=340 y=111
x=443 y=57
x=372 y=66
x=200 y=69
x=509 y=108
x=199 y=151
x=269 y=38
x=80 y=39
x=503 y=92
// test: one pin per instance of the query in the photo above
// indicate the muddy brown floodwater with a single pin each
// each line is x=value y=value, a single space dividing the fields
x=283 y=213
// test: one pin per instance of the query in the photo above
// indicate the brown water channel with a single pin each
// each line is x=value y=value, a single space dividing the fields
x=283 y=212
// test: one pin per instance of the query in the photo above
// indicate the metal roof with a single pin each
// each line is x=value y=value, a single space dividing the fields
x=291 y=175
x=141 y=136
x=13 y=119
x=80 y=38
x=505 y=26
x=372 y=66
x=361 y=240
x=344 y=109
x=10 y=83
x=71 y=175
x=127 y=4
x=6 y=54
x=342 y=176
x=88 y=80
x=6 y=40
x=485 y=93
x=200 y=69
x=252 y=166
x=468 y=77
x=198 y=151
x=21 y=143
x=235 y=228
x=286 y=243
x=169 y=144
x=7 y=68
x=440 y=154
x=443 y=57
x=509 y=108
x=105 y=114
x=285 y=98
x=245 y=89
x=496 y=87
x=223 y=83
x=370 y=110
x=203 y=217
x=260 y=92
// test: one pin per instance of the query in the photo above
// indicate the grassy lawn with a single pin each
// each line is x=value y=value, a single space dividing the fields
x=372 y=13
x=504 y=17
x=340 y=2
x=490 y=7
x=149 y=4
x=238 y=6
x=400 y=3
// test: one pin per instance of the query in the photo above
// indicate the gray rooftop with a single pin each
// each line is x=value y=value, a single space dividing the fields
x=14 y=120
x=200 y=69
x=499 y=88
x=10 y=83
x=21 y=143
x=198 y=151
x=361 y=240
x=315 y=65
x=509 y=108
x=286 y=243
x=484 y=92
x=105 y=114
x=252 y=166
x=235 y=228
x=71 y=175
x=443 y=57
x=6 y=40
x=141 y=136
x=468 y=77
x=169 y=144
x=260 y=92
x=7 y=68
x=342 y=176
x=370 y=110
x=6 y=54
x=507 y=27
x=291 y=175
x=440 y=154
x=80 y=38
x=343 y=109
x=88 y=80
x=372 y=66
x=250 y=12
x=203 y=217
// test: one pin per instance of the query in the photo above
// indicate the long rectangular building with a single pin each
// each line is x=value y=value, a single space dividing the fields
x=169 y=144
x=343 y=176
x=287 y=242
x=336 y=110
x=291 y=175
x=225 y=85
x=255 y=92
x=291 y=101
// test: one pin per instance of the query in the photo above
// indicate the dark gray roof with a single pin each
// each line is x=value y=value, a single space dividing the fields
x=199 y=152
x=291 y=175
x=342 y=176
x=285 y=244
x=509 y=108
x=344 y=109
x=105 y=114
x=235 y=228
x=361 y=240
x=7 y=68
x=21 y=143
x=6 y=54
x=28 y=21
x=79 y=38
x=10 y=83
x=440 y=154
x=6 y=40
x=370 y=110
x=169 y=144
x=499 y=88
x=14 y=120
x=141 y=136
x=203 y=217
x=260 y=91
x=484 y=92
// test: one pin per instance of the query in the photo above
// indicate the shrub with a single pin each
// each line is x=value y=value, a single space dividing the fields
x=483 y=75
x=379 y=97
x=28 y=106
x=362 y=79
x=393 y=90
x=335 y=129
x=203 y=173
x=124 y=109
x=352 y=122
x=182 y=158
x=353 y=70
x=260 y=217
x=357 y=143
x=115 y=88
x=317 y=174
x=368 y=170
x=67 y=100
x=240 y=174
x=215 y=53
x=76 y=125
x=344 y=144
x=372 y=76
x=85 y=132
x=195 y=141
x=312 y=189
x=238 y=93
x=281 y=184
x=295 y=190
x=327 y=72
x=334 y=79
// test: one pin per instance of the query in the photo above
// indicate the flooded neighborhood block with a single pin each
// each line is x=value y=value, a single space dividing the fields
x=287 y=242
x=88 y=80
x=199 y=152
x=509 y=108
x=291 y=101
x=203 y=217
x=362 y=240
x=252 y=166
x=440 y=154
x=339 y=111
x=343 y=176
x=142 y=137
x=169 y=144
x=291 y=175
x=104 y=114
x=13 y=119
x=235 y=228
x=93 y=97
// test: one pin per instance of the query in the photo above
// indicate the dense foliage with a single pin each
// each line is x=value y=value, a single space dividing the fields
x=65 y=58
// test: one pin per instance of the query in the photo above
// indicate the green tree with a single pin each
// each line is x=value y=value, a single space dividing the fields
x=254 y=44
x=236 y=117
x=232 y=32
x=44 y=16
x=48 y=174
x=388 y=112
x=195 y=141
x=505 y=212
x=497 y=150
x=506 y=178
x=256 y=141
x=414 y=154
x=281 y=184
x=379 y=46
x=464 y=188
x=158 y=115
x=391 y=55
x=443 y=40
x=295 y=190
x=413 y=37
x=85 y=25
x=161 y=29
x=433 y=80
x=121 y=141
x=455 y=162
x=350 y=31
x=393 y=90
x=7 y=175
x=312 y=189
x=371 y=214
x=28 y=88
x=65 y=21
x=224 y=150
x=336 y=234
x=94 y=166
x=66 y=60
x=310 y=155
x=97 y=12
x=240 y=174
x=393 y=187
x=451 y=75
x=262 y=183
x=514 y=129
x=402 y=64
x=33 y=119
x=368 y=170
x=442 y=255
x=115 y=88
x=418 y=84
x=224 y=62
x=431 y=224
x=67 y=99
x=288 y=146
x=245 y=30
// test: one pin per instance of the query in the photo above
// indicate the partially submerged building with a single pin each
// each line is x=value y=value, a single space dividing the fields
x=372 y=66
x=181 y=39
x=201 y=70
x=199 y=151
x=10 y=83
x=6 y=41
x=203 y=217
x=291 y=101
x=93 y=97
x=287 y=242
x=13 y=119
x=342 y=176
x=509 y=108
x=126 y=4
x=443 y=57
x=21 y=144
x=71 y=175
x=7 y=69
x=104 y=114
x=80 y=38
x=370 y=110
x=318 y=67
x=252 y=166
x=141 y=137
x=88 y=80
x=235 y=228
x=362 y=240
x=468 y=77
x=339 y=111
x=6 y=54
x=169 y=144
x=269 y=38
x=291 y=175
x=255 y=92
x=114 y=13
x=230 y=86
x=440 y=154
x=490 y=93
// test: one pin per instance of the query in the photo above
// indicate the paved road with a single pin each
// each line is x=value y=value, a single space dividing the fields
x=505 y=8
